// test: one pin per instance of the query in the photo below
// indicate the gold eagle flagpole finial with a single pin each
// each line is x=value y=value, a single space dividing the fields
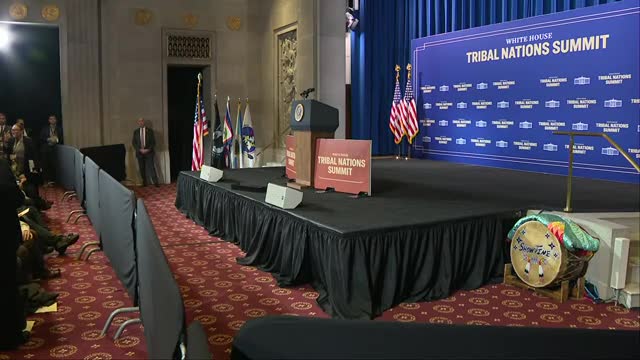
x=409 y=68
x=398 y=68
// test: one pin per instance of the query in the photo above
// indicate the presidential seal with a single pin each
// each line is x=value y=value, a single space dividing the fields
x=299 y=113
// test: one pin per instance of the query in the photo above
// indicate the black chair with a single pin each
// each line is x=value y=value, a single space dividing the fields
x=161 y=306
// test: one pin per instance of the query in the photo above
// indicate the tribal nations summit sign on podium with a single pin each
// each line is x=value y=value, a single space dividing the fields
x=341 y=165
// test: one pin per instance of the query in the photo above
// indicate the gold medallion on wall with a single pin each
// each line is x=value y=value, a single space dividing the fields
x=51 y=13
x=143 y=17
x=234 y=23
x=190 y=20
x=18 y=11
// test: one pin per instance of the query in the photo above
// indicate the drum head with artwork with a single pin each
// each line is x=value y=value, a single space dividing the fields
x=536 y=254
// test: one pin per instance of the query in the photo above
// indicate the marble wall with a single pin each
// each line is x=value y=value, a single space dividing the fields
x=113 y=64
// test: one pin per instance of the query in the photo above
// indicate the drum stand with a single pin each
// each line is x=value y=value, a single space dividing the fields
x=567 y=289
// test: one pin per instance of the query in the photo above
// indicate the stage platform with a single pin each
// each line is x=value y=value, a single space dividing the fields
x=429 y=229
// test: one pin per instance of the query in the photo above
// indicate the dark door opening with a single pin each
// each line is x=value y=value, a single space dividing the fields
x=30 y=76
x=181 y=99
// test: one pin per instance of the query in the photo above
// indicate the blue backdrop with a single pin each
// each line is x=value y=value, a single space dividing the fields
x=495 y=95
x=383 y=39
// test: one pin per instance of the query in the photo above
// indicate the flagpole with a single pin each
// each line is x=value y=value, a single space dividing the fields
x=409 y=68
x=397 y=68
x=242 y=144
x=213 y=134
x=199 y=120
x=239 y=135
x=228 y=155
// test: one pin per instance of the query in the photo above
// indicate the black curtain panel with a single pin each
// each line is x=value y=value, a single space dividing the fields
x=427 y=230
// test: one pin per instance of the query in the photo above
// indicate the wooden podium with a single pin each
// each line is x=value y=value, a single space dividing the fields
x=310 y=120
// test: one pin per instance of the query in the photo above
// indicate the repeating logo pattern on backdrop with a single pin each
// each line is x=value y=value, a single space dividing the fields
x=506 y=88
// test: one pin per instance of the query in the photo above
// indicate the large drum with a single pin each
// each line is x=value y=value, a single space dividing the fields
x=540 y=260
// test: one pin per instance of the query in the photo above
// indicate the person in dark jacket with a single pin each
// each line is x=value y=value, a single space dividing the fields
x=24 y=163
x=144 y=142
x=13 y=318
x=22 y=153
x=50 y=137
x=5 y=134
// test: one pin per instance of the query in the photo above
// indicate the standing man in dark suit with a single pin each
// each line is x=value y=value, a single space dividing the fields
x=50 y=137
x=144 y=142
x=5 y=135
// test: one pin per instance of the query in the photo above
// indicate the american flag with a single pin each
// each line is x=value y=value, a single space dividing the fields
x=410 y=118
x=200 y=130
x=395 y=120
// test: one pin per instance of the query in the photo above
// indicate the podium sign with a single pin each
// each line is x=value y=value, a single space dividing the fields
x=290 y=165
x=343 y=165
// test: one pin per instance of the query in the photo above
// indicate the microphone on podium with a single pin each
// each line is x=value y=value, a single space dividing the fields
x=305 y=94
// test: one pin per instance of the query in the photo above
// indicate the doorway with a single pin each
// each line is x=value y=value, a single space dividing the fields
x=182 y=84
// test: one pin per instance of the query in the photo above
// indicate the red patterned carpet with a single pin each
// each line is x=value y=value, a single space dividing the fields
x=223 y=295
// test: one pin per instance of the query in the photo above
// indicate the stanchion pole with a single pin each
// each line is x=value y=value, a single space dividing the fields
x=570 y=176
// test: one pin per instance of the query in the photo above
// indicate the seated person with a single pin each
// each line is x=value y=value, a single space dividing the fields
x=47 y=240
x=32 y=257
x=13 y=320
x=32 y=195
